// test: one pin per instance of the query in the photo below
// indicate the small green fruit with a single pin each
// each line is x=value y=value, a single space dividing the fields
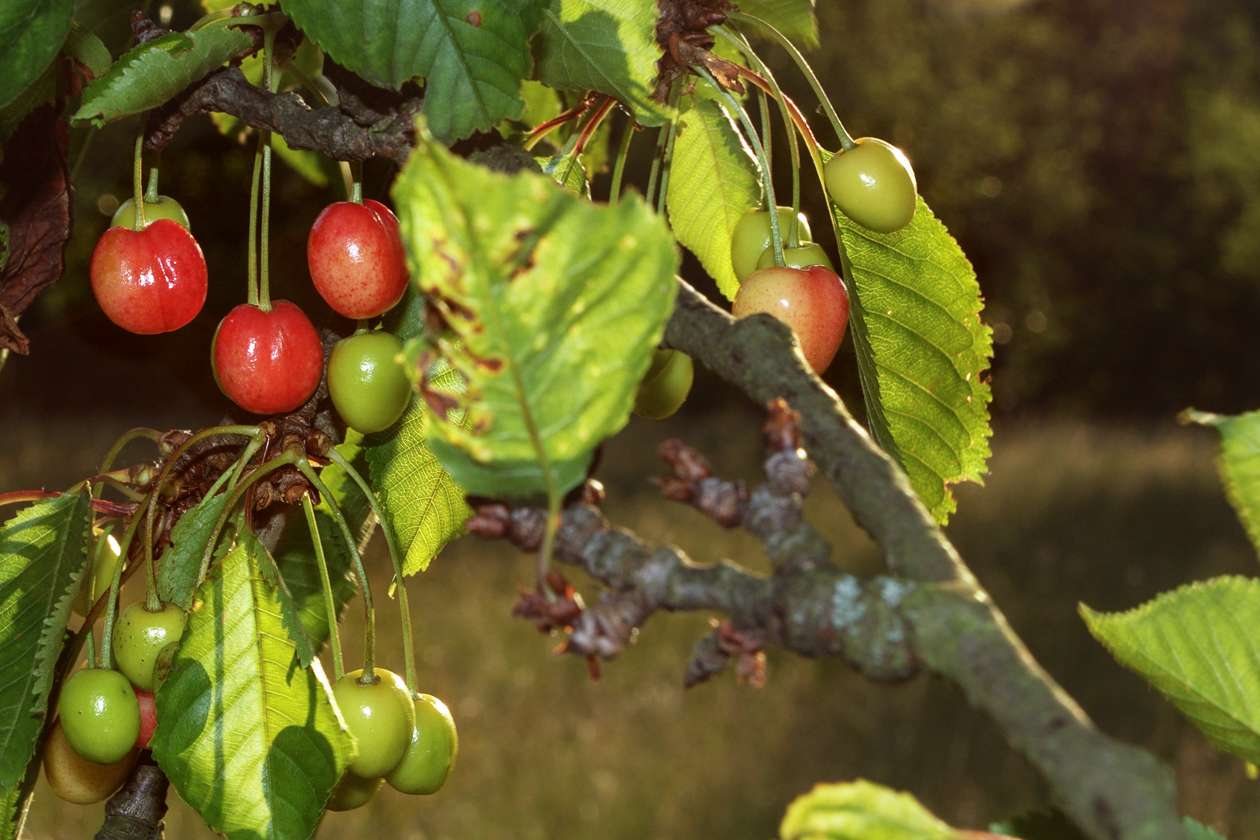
x=665 y=387
x=100 y=714
x=873 y=185
x=431 y=753
x=380 y=716
x=164 y=208
x=809 y=253
x=140 y=637
x=751 y=238
x=367 y=382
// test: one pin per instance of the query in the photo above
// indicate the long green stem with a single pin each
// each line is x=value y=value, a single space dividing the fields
x=846 y=141
x=356 y=181
x=776 y=238
x=243 y=431
x=252 y=247
x=108 y=462
x=330 y=607
x=369 y=635
x=286 y=458
x=395 y=555
x=666 y=167
x=137 y=185
x=264 y=286
x=623 y=152
x=661 y=136
x=151 y=189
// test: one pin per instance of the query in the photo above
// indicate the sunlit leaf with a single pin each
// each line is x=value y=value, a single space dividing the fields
x=1198 y=646
x=713 y=180
x=568 y=172
x=554 y=306
x=31 y=34
x=43 y=551
x=794 y=18
x=922 y=352
x=180 y=563
x=151 y=73
x=1239 y=463
x=607 y=46
x=473 y=54
x=251 y=741
x=860 y=810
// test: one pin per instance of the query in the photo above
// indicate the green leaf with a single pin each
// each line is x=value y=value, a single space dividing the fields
x=603 y=45
x=252 y=742
x=1239 y=463
x=860 y=810
x=425 y=506
x=1196 y=830
x=568 y=171
x=179 y=565
x=922 y=352
x=713 y=180
x=555 y=304
x=15 y=802
x=794 y=18
x=290 y=615
x=295 y=553
x=150 y=74
x=42 y=554
x=43 y=90
x=31 y=34
x=84 y=47
x=473 y=53
x=1198 y=646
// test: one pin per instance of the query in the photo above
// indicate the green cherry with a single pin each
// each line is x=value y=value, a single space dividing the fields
x=431 y=752
x=665 y=387
x=164 y=208
x=809 y=253
x=751 y=238
x=380 y=716
x=873 y=185
x=140 y=636
x=100 y=714
x=367 y=383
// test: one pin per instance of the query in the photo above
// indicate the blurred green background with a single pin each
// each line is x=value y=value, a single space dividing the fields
x=1100 y=164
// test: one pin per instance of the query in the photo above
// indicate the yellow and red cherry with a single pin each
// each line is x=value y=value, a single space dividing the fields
x=812 y=301
x=356 y=257
x=267 y=362
x=149 y=281
x=148 y=718
x=74 y=778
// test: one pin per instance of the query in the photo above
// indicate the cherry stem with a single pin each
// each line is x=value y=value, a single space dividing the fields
x=151 y=189
x=767 y=130
x=124 y=557
x=356 y=181
x=17 y=497
x=661 y=138
x=623 y=152
x=369 y=632
x=127 y=437
x=395 y=556
x=592 y=125
x=152 y=602
x=252 y=253
x=666 y=168
x=776 y=238
x=120 y=486
x=250 y=450
x=541 y=130
x=330 y=607
x=137 y=172
x=243 y=431
x=264 y=290
x=846 y=141
x=283 y=459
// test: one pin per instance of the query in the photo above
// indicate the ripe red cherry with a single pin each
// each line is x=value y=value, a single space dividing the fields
x=149 y=281
x=356 y=257
x=812 y=301
x=267 y=362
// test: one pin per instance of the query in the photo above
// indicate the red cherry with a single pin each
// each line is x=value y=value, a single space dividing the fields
x=267 y=362
x=148 y=718
x=356 y=257
x=149 y=281
x=812 y=301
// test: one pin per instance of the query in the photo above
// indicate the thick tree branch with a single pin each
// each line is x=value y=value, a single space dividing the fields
x=331 y=130
x=136 y=811
x=1112 y=790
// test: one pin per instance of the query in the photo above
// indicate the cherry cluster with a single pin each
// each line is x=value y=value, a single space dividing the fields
x=149 y=276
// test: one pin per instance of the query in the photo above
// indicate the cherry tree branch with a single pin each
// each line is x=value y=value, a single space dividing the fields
x=1112 y=790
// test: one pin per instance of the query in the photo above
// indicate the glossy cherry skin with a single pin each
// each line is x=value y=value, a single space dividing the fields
x=367 y=382
x=100 y=714
x=809 y=253
x=752 y=235
x=356 y=257
x=267 y=362
x=431 y=753
x=353 y=792
x=74 y=778
x=164 y=208
x=98 y=576
x=665 y=387
x=140 y=635
x=149 y=281
x=873 y=185
x=148 y=718
x=812 y=301
x=380 y=716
